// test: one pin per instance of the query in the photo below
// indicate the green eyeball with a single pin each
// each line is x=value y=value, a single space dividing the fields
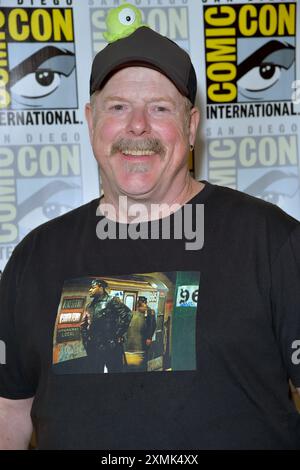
x=122 y=21
x=127 y=16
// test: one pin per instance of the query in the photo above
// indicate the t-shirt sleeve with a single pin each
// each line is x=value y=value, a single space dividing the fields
x=285 y=294
x=13 y=383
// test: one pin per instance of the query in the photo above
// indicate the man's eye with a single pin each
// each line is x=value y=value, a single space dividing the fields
x=260 y=78
x=117 y=107
x=37 y=84
x=160 y=109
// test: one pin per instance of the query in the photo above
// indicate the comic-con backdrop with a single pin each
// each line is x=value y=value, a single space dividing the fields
x=246 y=54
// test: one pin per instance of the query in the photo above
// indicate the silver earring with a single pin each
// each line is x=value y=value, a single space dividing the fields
x=191 y=147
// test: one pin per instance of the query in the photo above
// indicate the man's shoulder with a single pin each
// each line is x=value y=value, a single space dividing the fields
x=62 y=227
x=246 y=218
x=244 y=206
x=81 y=212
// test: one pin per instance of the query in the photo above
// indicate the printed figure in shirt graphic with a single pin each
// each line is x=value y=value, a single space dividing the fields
x=103 y=328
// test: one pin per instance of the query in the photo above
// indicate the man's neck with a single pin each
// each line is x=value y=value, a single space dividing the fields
x=127 y=209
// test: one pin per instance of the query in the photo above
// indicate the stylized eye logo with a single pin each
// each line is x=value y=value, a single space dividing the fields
x=44 y=77
x=127 y=16
x=262 y=69
x=40 y=206
x=267 y=70
x=37 y=84
x=274 y=186
x=54 y=209
x=41 y=74
x=260 y=78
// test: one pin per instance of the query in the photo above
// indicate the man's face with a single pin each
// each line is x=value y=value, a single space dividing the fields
x=140 y=133
x=96 y=290
x=142 y=307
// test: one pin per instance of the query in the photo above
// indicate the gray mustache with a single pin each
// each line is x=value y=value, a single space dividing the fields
x=152 y=145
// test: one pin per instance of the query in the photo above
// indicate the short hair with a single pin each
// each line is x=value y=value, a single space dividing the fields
x=99 y=283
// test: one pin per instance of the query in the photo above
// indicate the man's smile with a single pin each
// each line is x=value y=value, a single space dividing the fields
x=138 y=152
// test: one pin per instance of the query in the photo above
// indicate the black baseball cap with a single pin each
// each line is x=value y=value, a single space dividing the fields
x=150 y=49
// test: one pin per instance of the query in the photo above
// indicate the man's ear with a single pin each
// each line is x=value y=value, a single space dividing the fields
x=194 y=123
x=89 y=120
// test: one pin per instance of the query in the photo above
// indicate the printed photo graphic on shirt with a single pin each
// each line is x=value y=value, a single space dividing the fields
x=127 y=323
x=38 y=59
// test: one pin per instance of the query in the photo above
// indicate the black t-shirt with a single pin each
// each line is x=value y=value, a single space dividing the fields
x=235 y=393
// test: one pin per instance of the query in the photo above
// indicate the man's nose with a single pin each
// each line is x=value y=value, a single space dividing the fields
x=138 y=123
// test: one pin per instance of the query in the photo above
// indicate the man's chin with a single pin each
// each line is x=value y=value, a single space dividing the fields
x=137 y=193
x=138 y=186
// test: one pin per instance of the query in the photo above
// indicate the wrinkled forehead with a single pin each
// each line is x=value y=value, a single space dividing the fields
x=140 y=79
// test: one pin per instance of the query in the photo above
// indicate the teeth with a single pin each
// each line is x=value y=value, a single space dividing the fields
x=138 y=152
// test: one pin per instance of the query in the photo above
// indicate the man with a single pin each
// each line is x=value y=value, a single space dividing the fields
x=103 y=328
x=139 y=335
x=141 y=126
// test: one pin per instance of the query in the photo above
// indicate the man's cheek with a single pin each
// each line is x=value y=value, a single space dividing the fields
x=169 y=132
x=109 y=132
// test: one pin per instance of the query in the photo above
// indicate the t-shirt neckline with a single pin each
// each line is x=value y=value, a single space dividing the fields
x=198 y=198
